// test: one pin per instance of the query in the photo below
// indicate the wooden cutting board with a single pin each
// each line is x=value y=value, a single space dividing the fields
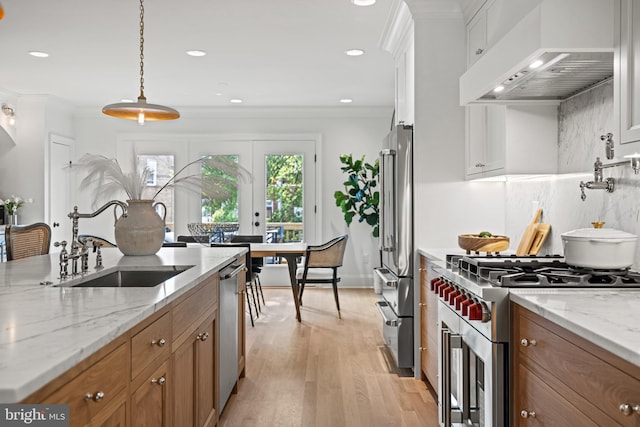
x=538 y=240
x=529 y=234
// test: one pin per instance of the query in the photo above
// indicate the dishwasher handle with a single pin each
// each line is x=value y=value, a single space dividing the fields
x=225 y=274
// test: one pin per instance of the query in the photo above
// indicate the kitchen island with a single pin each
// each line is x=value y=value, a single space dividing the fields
x=46 y=329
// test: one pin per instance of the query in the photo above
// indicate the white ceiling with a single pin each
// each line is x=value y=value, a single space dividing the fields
x=266 y=52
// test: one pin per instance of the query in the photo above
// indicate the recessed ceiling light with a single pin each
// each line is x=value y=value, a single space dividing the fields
x=235 y=101
x=38 y=54
x=499 y=89
x=536 y=64
x=363 y=2
x=346 y=100
x=196 y=53
x=354 y=52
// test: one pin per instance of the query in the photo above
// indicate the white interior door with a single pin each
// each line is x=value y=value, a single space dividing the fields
x=59 y=188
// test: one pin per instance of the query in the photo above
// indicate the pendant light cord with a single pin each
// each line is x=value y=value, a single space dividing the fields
x=141 y=49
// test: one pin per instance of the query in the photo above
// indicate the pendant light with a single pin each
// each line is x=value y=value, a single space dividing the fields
x=141 y=110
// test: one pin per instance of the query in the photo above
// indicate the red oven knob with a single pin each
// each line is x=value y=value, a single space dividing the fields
x=434 y=282
x=465 y=306
x=440 y=283
x=441 y=289
x=459 y=300
x=453 y=295
x=475 y=311
x=448 y=291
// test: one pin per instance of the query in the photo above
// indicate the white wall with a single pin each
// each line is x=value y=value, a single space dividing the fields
x=22 y=166
x=343 y=130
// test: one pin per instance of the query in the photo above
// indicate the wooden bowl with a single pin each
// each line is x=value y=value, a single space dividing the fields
x=471 y=242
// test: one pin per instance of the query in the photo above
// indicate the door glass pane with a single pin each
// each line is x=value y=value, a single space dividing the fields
x=221 y=212
x=160 y=171
x=284 y=198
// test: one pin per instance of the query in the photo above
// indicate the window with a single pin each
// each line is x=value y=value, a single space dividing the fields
x=152 y=175
x=161 y=170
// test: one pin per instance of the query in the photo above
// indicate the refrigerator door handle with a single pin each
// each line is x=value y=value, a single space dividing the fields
x=386 y=276
x=386 y=224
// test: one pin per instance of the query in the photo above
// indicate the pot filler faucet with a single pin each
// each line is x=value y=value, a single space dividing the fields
x=599 y=183
x=80 y=249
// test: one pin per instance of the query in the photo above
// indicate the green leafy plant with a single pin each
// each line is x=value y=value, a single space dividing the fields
x=360 y=196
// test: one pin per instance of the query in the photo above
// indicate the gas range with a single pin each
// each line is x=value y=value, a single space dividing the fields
x=549 y=271
x=477 y=287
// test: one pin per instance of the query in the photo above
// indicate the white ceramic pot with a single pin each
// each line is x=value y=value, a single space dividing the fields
x=599 y=248
x=141 y=232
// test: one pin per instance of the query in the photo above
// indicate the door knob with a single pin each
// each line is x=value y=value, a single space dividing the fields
x=257 y=214
x=56 y=224
x=257 y=223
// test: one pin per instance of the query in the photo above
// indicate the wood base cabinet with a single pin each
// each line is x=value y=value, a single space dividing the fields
x=163 y=372
x=428 y=325
x=559 y=378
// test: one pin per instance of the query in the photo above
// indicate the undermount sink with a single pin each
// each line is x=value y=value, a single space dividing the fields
x=138 y=278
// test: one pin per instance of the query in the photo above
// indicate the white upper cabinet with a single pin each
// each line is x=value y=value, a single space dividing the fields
x=511 y=141
x=476 y=37
x=626 y=83
x=398 y=40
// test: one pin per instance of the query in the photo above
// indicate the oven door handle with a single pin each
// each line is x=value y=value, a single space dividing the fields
x=388 y=316
x=386 y=276
x=449 y=342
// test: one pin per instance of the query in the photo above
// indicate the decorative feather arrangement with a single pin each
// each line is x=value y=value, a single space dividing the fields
x=106 y=175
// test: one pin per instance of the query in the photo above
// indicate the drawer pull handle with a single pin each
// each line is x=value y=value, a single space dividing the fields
x=527 y=414
x=96 y=397
x=423 y=304
x=159 y=381
x=203 y=336
x=160 y=343
x=526 y=343
x=479 y=51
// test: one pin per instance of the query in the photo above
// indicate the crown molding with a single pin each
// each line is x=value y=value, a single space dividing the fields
x=398 y=26
x=435 y=10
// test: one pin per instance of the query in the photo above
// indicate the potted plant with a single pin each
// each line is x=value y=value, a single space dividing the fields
x=360 y=196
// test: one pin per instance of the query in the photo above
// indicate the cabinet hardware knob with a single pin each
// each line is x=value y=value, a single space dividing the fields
x=159 y=381
x=423 y=348
x=526 y=343
x=479 y=51
x=626 y=409
x=527 y=414
x=203 y=336
x=96 y=397
x=423 y=304
x=160 y=343
x=479 y=165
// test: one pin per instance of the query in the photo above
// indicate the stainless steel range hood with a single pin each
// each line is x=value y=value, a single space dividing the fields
x=568 y=42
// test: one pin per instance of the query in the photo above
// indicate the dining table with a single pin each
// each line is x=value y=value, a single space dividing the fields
x=290 y=252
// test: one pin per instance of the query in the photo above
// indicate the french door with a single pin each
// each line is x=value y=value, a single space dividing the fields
x=277 y=201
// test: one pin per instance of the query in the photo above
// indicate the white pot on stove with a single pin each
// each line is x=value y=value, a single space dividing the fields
x=599 y=248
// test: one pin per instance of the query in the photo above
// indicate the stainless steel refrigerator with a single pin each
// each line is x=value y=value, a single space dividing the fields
x=396 y=244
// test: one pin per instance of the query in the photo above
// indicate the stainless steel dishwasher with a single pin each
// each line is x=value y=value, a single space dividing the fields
x=228 y=332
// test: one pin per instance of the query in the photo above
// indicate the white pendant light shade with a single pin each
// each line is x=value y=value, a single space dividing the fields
x=133 y=110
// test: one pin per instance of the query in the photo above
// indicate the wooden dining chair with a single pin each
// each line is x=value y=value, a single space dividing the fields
x=321 y=264
x=27 y=240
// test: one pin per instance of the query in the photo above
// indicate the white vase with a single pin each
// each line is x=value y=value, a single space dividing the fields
x=141 y=232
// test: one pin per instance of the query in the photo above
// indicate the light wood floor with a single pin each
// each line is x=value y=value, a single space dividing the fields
x=324 y=371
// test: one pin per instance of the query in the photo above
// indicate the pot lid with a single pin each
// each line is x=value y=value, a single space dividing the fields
x=598 y=233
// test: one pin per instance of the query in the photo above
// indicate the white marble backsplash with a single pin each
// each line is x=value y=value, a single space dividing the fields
x=582 y=120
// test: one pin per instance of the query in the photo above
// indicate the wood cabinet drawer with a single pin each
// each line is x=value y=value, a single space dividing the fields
x=195 y=305
x=97 y=388
x=151 y=343
x=563 y=357
x=538 y=404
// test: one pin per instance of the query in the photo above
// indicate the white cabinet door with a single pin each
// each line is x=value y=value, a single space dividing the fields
x=496 y=138
x=628 y=86
x=485 y=141
x=475 y=140
x=476 y=37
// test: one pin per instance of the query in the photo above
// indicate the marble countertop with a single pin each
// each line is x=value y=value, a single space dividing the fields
x=606 y=317
x=47 y=329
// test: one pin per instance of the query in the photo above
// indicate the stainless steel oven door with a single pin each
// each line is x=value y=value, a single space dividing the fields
x=473 y=375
